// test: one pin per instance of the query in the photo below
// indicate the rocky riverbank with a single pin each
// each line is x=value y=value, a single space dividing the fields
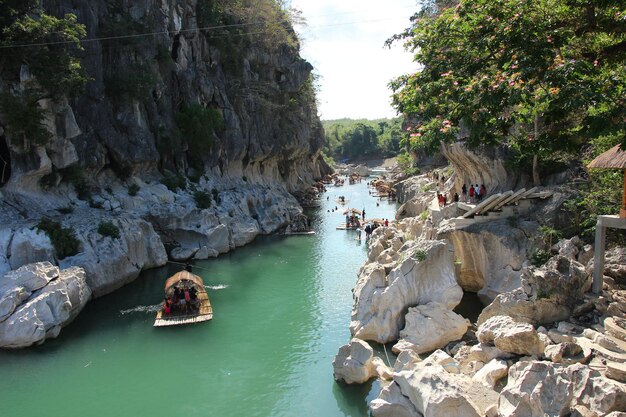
x=181 y=145
x=542 y=346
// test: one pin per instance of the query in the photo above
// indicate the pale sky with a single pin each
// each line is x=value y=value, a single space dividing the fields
x=344 y=41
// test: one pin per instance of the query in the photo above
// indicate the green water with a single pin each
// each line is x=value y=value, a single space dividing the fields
x=281 y=311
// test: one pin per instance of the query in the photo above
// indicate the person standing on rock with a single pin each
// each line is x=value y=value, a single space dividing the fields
x=464 y=193
x=363 y=213
x=471 y=193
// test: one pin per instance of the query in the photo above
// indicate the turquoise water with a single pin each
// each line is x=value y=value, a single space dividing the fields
x=281 y=311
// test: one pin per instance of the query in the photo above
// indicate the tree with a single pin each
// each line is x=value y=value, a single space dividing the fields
x=540 y=75
x=47 y=44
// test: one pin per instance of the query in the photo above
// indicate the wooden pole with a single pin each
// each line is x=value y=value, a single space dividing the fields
x=622 y=212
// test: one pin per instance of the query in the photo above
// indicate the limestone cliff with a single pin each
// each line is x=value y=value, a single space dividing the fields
x=196 y=125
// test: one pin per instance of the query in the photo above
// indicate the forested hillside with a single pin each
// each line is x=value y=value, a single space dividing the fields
x=349 y=139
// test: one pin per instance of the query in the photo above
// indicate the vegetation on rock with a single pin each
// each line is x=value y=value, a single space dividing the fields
x=202 y=198
x=108 y=228
x=63 y=238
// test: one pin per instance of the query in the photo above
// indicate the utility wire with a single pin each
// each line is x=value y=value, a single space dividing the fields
x=176 y=32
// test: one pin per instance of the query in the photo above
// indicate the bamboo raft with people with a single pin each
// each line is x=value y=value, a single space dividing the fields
x=186 y=301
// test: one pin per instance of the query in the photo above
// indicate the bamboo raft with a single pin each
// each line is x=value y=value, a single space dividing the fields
x=205 y=310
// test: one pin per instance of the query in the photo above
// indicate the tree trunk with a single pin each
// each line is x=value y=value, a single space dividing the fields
x=536 y=179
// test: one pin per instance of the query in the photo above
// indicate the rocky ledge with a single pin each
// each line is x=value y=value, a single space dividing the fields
x=37 y=300
x=546 y=347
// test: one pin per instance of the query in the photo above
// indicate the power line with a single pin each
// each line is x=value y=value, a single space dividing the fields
x=190 y=30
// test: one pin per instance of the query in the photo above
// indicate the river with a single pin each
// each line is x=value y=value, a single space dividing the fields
x=281 y=311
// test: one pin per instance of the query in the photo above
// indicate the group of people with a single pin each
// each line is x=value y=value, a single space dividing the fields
x=474 y=194
x=369 y=229
x=184 y=301
x=443 y=200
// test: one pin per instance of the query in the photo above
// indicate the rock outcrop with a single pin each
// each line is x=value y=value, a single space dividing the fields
x=424 y=274
x=429 y=327
x=356 y=364
x=546 y=295
x=431 y=390
x=543 y=388
x=37 y=300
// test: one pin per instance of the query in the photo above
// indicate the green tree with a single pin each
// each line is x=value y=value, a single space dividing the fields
x=544 y=75
x=48 y=45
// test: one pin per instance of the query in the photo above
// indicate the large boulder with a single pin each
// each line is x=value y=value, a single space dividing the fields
x=546 y=295
x=31 y=312
x=433 y=391
x=544 y=388
x=424 y=274
x=510 y=336
x=355 y=363
x=429 y=327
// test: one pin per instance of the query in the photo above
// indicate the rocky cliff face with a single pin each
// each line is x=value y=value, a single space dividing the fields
x=223 y=114
x=125 y=122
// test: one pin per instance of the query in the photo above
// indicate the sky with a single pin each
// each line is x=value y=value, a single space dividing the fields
x=344 y=41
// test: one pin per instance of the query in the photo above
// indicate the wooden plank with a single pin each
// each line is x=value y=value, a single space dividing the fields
x=511 y=197
x=522 y=195
x=479 y=207
x=495 y=202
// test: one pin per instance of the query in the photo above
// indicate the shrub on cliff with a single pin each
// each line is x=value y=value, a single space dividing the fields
x=63 y=238
x=198 y=125
x=109 y=229
x=203 y=199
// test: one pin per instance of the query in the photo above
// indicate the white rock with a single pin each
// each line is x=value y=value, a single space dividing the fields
x=510 y=336
x=354 y=363
x=491 y=373
x=392 y=403
x=380 y=304
x=30 y=277
x=437 y=393
x=30 y=246
x=544 y=388
x=567 y=353
x=432 y=326
x=111 y=263
x=47 y=311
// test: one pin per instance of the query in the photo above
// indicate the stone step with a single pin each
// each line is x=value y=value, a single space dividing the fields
x=615 y=327
x=616 y=371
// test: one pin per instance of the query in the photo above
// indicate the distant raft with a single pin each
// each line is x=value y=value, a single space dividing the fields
x=195 y=311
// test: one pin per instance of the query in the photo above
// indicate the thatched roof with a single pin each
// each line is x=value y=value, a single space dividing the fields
x=613 y=158
x=183 y=276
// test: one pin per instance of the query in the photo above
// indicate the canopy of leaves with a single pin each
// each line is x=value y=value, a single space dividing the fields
x=347 y=138
x=543 y=74
x=269 y=21
x=48 y=45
